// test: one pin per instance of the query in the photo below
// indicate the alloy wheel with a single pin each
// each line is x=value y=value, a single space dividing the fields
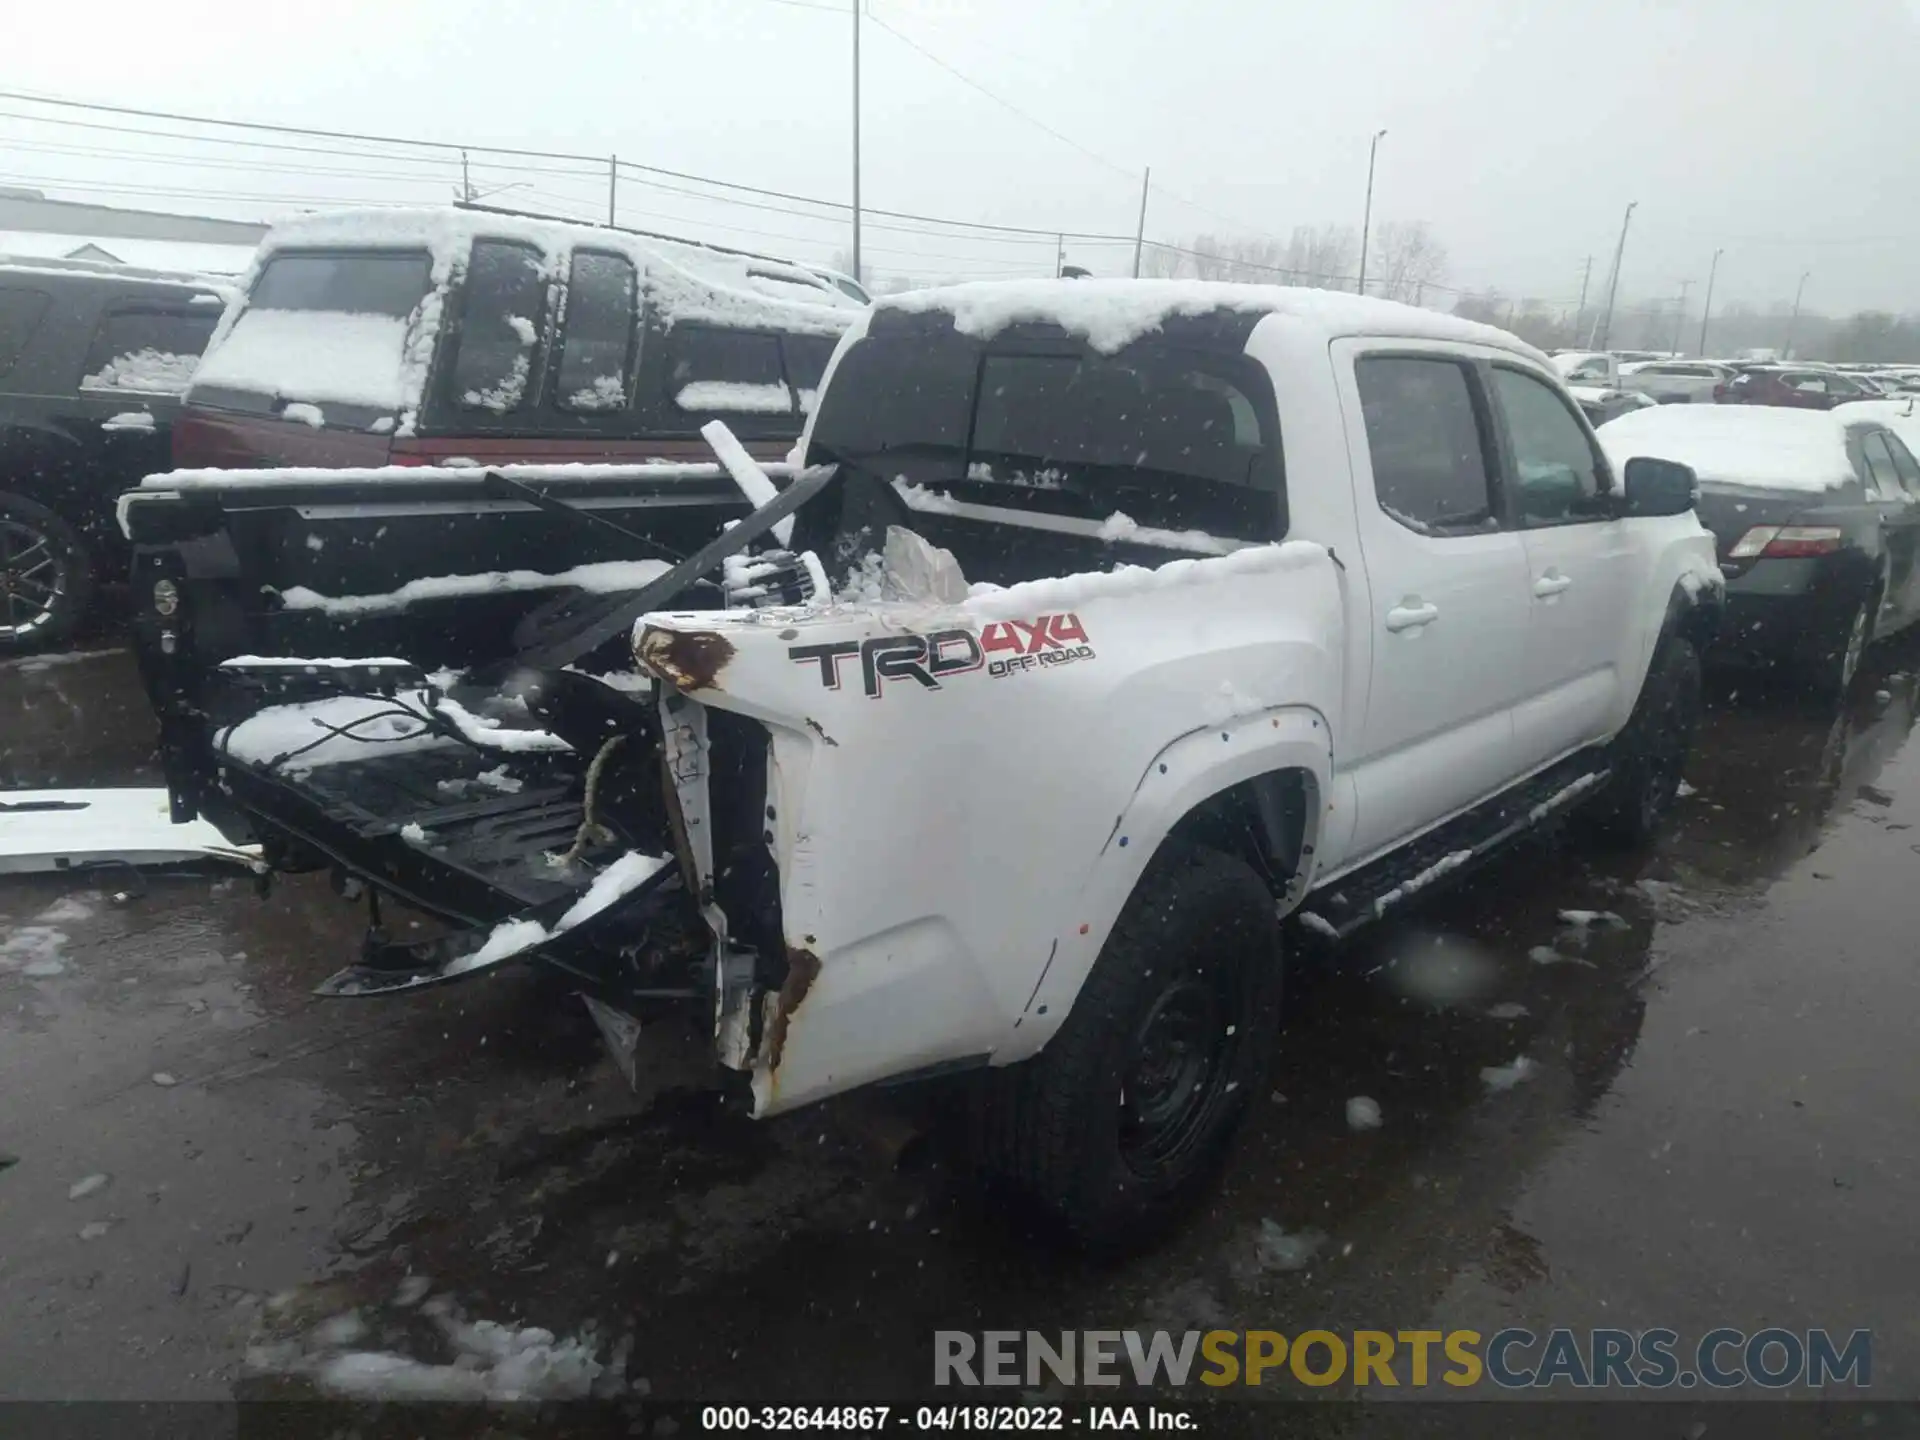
x=33 y=580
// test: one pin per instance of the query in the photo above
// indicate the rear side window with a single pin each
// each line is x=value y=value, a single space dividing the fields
x=150 y=350
x=807 y=357
x=1904 y=463
x=1883 y=478
x=1556 y=468
x=501 y=314
x=1424 y=439
x=20 y=312
x=380 y=283
x=717 y=370
x=596 y=347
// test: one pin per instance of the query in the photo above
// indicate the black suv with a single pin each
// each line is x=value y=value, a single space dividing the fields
x=93 y=359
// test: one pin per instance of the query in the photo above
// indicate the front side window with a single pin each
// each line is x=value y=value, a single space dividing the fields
x=149 y=350
x=1557 y=470
x=596 y=346
x=504 y=304
x=20 y=312
x=1429 y=460
x=715 y=370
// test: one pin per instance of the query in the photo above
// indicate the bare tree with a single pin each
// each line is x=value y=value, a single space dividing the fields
x=1406 y=259
x=1488 y=306
x=1324 y=256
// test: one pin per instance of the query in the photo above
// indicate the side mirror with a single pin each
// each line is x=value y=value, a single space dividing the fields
x=1659 y=487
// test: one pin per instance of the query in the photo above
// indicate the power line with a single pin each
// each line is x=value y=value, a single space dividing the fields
x=971 y=83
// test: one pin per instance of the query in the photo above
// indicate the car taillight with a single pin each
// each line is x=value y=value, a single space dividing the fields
x=1785 y=542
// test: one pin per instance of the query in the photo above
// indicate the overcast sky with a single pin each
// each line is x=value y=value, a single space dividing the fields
x=1782 y=131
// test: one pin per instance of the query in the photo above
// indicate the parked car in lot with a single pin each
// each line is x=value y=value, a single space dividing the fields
x=93 y=358
x=1816 y=517
x=1166 y=611
x=390 y=339
x=1671 y=382
x=1794 y=387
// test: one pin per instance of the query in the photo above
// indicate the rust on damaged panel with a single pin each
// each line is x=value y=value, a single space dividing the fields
x=803 y=968
x=690 y=659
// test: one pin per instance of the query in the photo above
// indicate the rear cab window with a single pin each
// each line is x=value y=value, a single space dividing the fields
x=1039 y=458
x=598 y=337
x=325 y=329
x=149 y=349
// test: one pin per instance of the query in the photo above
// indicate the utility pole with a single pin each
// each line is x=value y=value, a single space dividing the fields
x=613 y=185
x=1680 y=318
x=1366 y=217
x=1586 y=274
x=1706 y=306
x=1140 y=231
x=856 y=139
x=1059 y=256
x=1793 y=321
x=466 y=184
x=1613 y=281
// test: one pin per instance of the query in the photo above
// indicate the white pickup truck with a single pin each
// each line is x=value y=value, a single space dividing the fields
x=1172 y=626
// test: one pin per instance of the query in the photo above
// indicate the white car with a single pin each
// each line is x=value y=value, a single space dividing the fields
x=1173 y=626
x=1676 y=381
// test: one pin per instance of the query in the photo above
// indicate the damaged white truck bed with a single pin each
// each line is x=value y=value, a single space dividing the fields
x=1123 y=621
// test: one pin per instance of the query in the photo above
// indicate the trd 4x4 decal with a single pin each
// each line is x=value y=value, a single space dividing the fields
x=1004 y=647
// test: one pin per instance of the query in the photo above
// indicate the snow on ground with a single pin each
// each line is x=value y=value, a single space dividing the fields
x=486 y=1361
x=1363 y=1113
x=1504 y=1077
x=33 y=950
x=603 y=577
x=1277 y=1249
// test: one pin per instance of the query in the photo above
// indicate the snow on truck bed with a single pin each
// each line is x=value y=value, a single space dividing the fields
x=1111 y=314
x=1758 y=447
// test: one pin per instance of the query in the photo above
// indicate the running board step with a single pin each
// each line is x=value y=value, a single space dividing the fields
x=1337 y=910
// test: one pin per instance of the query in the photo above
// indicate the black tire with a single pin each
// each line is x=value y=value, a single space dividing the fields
x=46 y=577
x=1650 y=753
x=1833 y=675
x=1179 y=1006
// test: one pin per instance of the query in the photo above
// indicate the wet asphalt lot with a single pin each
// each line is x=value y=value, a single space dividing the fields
x=1718 y=1128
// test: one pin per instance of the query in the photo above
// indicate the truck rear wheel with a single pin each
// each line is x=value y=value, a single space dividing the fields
x=46 y=576
x=1118 y=1125
x=1649 y=754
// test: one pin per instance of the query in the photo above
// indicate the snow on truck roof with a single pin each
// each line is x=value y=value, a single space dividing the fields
x=1111 y=314
x=683 y=281
x=1759 y=447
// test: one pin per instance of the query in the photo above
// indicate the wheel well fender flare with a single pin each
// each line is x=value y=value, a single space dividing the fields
x=1251 y=763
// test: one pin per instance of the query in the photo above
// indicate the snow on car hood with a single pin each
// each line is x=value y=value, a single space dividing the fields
x=1756 y=447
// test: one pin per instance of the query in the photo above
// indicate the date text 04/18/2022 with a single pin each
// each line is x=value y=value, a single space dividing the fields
x=984 y=1419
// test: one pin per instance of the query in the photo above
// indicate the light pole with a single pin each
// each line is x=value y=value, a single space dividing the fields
x=856 y=139
x=1706 y=306
x=1366 y=217
x=1793 y=320
x=1680 y=315
x=1613 y=281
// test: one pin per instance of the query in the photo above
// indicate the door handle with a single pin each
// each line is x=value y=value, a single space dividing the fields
x=1411 y=616
x=1551 y=584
